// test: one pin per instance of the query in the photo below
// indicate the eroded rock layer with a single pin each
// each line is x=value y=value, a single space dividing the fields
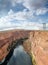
x=6 y=39
x=39 y=46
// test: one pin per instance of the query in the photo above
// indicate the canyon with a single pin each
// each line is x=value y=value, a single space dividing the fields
x=36 y=45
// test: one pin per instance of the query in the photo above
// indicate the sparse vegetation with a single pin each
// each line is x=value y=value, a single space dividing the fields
x=33 y=59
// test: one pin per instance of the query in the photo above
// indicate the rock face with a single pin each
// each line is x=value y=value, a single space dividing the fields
x=6 y=39
x=39 y=46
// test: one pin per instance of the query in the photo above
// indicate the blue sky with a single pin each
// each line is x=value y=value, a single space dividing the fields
x=23 y=14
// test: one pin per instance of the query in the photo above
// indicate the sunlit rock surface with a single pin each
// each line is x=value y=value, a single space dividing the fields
x=39 y=46
x=6 y=39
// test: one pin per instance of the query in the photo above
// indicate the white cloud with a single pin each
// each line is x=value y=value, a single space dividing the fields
x=22 y=23
x=37 y=7
x=10 y=12
x=21 y=15
x=30 y=3
x=41 y=11
x=13 y=2
x=4 y=22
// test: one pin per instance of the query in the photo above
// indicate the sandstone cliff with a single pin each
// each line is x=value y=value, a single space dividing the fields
x=36 y=45
x=39 y=46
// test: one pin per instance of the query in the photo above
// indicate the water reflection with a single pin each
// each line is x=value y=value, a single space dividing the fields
x=20 y=57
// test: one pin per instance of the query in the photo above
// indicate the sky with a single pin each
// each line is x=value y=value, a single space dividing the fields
x=23 y=14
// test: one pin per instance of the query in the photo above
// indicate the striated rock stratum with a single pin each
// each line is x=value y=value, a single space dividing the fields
x=37 y=44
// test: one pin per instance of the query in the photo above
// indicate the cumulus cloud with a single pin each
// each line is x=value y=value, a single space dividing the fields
x=21 y=15
x=31 y=3
x=23 y=18
x=41 y=11
x=38 y=7
x=17 y=21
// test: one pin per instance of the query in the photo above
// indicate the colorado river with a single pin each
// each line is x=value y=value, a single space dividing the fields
x=20 y=57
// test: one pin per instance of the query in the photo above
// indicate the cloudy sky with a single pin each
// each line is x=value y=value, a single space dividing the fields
x=23 y=14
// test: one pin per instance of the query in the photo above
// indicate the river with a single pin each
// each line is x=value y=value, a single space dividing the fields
x=18 y=56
